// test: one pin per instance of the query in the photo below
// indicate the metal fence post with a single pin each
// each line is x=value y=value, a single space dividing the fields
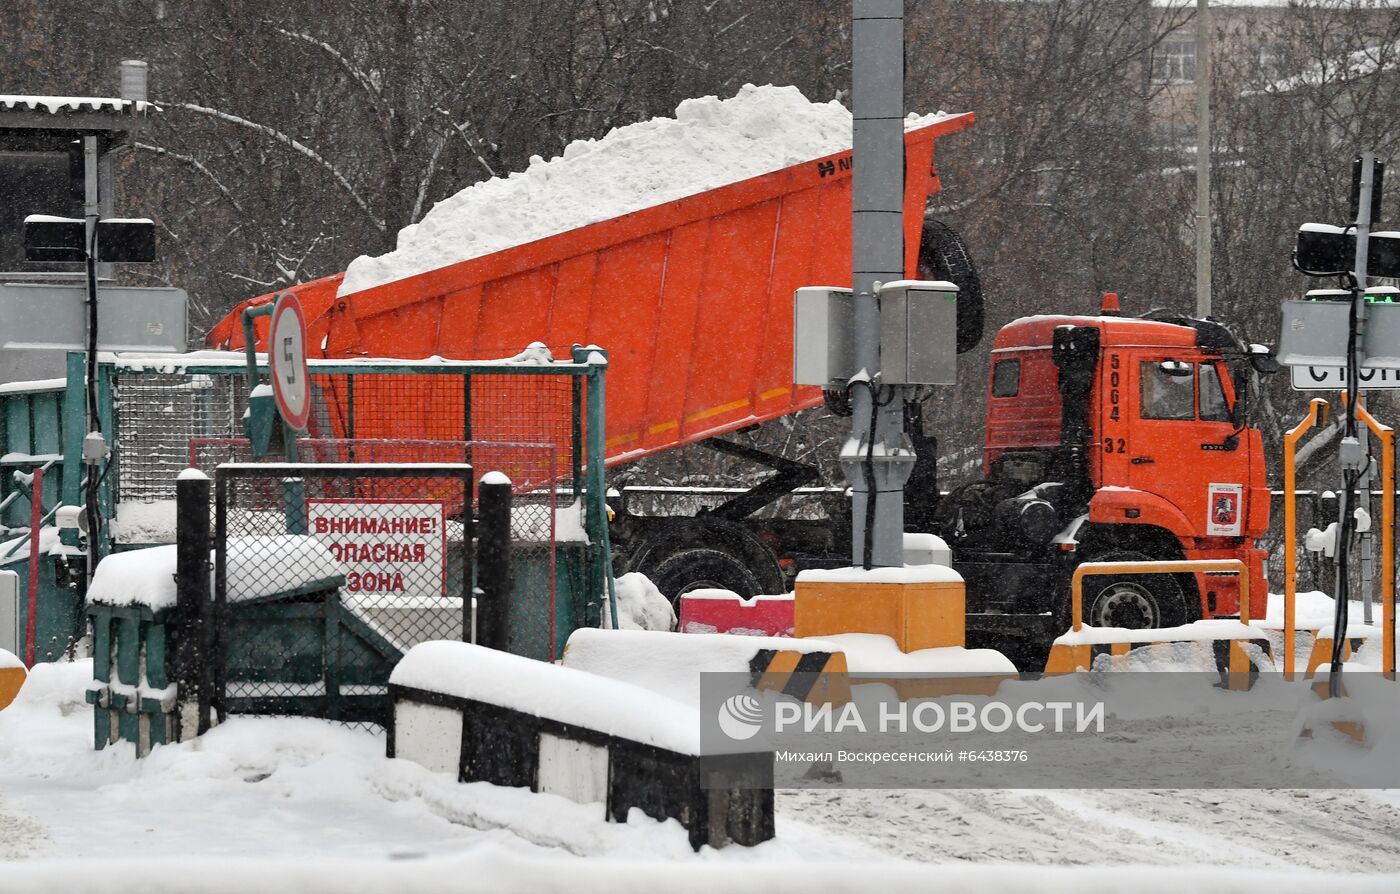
x=191 y=587
x=209 y=675
x=493 y=560
x=31 y=612
x=600 y=578
x=468 y=562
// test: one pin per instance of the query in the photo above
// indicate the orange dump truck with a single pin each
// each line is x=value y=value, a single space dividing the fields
x=693 y=300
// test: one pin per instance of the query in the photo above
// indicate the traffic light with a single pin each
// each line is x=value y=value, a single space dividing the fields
x=1327 y=250
x=63 y=239
x=54 y=239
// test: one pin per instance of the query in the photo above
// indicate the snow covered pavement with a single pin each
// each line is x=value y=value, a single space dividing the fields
x=299 y=805
x=1268 y=829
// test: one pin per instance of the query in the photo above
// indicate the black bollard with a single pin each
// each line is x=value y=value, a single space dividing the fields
x=468 y=560
x=191 y=590
x=493 y=559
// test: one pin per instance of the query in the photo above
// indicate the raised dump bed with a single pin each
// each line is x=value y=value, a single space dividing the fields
x=692 y=298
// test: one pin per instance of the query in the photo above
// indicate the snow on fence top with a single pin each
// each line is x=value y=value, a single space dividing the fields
x=257 y=567
x=563 y=694
x=164 y=363
x=710 y=142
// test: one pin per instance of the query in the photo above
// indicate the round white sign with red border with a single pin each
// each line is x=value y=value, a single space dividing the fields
x=286 y=355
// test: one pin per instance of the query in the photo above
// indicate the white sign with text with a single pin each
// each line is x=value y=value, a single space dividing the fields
x=388 y=547
x=1334 y=378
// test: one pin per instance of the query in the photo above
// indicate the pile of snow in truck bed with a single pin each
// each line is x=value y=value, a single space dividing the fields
x=709 y=143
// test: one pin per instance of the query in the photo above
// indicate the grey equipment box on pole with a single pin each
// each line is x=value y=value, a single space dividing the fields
x=918 y=332
x=823 y=347
x=9 y=612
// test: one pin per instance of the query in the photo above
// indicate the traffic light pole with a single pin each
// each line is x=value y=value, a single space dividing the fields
x=92 y=459
x=1352 y=453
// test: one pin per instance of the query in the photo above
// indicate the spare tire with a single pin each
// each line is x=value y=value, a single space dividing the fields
x=942 y=255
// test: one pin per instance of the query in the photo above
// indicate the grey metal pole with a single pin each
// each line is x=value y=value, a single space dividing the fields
x=1352 y=458
x=1203 y=223
x=92 y=210
x=877 y=458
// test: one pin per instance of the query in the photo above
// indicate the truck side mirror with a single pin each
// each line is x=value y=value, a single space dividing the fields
x=1262 y=359
x=1175 y=368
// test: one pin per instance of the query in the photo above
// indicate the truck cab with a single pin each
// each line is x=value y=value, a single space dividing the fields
x=1110 y=438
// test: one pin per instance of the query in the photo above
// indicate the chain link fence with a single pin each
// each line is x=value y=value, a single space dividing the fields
x=535 y=423
x=1316 y=571
x=538 y=522
x=319 y=590
x=400 y=413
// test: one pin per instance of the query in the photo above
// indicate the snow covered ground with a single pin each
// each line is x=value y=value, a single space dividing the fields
x=300 y=805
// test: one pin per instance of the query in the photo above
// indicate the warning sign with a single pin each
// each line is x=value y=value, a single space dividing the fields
x=1224 y=512
x=390 y=547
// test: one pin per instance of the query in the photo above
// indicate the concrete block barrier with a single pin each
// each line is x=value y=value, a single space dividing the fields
x=490 y=716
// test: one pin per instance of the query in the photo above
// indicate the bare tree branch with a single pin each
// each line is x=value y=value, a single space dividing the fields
x=278 y=136
x=197 y=165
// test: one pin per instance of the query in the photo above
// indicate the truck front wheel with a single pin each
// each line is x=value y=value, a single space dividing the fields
x=1135 y=601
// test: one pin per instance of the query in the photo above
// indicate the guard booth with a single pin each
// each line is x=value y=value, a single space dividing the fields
x=56 y=158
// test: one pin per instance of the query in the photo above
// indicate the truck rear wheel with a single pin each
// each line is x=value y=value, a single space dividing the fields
x=1135 y=601
x=701 y=568
x=684 y=554
x=942 y=255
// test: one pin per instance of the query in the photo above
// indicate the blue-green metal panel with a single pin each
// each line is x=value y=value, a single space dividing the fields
x=46 y=416
x=18 y=439
x=126 y=640
x=58 y=621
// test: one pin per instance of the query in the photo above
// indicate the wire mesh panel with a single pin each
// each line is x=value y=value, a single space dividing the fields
x=403 y=411
x=529 y=466
x=538 y=424
x=158 y=414
x=319 y=590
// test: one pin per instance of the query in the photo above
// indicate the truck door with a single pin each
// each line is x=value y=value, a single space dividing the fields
x=1183 y=445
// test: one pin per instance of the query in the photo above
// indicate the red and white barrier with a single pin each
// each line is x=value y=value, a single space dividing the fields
x=723 y=611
